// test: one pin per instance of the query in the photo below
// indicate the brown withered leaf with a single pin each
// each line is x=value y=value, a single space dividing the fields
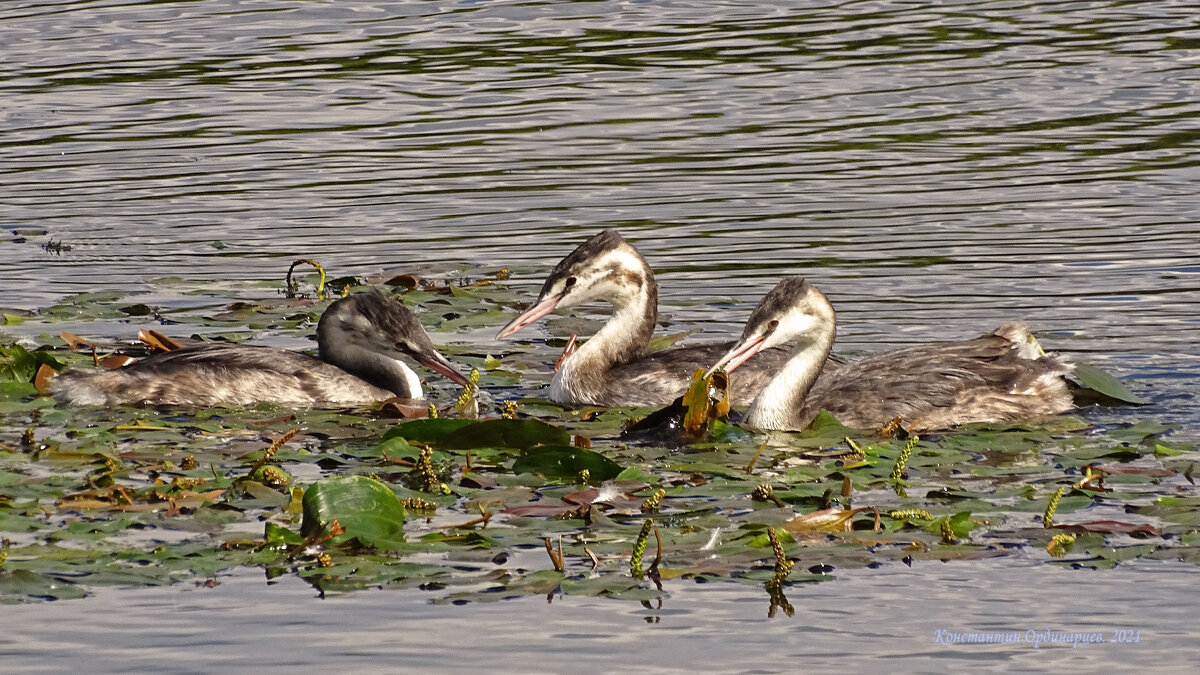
x=405 y=408
x=74 y=341
x=43 y=377
x=116 y=361
x=405 y=281
x=181 y=499
x=157 y=341
x=827 y=521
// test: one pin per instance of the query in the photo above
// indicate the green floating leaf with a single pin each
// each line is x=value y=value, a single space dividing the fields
x=1099 y=381
x=824 y=431
x=16 y=364
x=277 y=534
x=639 y=474
x=23 y=583
x=961 y=524
x=427 y=430
x=502 y=433
x=367 y=509
x=15 y=391
x=565 y=461
x=1141 y=433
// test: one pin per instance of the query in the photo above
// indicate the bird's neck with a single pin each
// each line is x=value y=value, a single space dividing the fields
x=378 y=369
x=624 y=337
x=780 y=404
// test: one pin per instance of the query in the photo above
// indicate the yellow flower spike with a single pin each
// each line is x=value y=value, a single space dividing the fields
x=902 y=459
x=508 y=410
x=1048 y=517
x=911 y=514
x=639 y=549
x=653 y=501
x=948 y=532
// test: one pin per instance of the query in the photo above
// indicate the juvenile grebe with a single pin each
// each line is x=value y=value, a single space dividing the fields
x=613 y=368
x=993 y=378
x=359 y=339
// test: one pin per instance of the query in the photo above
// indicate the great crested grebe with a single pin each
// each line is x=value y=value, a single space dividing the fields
x=614 y=368
x=359 y=338
x=996 y=377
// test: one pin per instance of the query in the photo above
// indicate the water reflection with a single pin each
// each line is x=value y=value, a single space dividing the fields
x=855 y=620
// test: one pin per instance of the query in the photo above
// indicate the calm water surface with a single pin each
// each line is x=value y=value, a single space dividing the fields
x=937 y=168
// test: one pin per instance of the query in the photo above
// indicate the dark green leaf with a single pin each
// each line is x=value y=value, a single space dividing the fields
x=565 y=461
x=367 y=509
x=427 y=430
x=504 y=434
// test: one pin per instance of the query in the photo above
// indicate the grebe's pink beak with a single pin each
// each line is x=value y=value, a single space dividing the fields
x=542 y=308
x=440 y=365
x=739 y=354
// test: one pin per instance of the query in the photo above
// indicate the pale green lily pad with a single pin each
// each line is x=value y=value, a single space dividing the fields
x=1097 y=380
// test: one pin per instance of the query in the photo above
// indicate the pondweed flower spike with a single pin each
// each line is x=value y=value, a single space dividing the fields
x=418 y=504
x=639 y=549
x=1048 y=517
x=763 y=492
x=902 y=459
x=783 y=566
x=910 y=514
x=272 y=449
x=653 y=501
x=948 y=532
x=508 y=410
x=1059 y=544
x=424 y=469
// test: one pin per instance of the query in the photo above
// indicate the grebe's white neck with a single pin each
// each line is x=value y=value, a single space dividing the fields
x=583 y=376
x=780 y=404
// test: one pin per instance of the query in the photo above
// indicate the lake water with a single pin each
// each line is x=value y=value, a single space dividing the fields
x=936 y=168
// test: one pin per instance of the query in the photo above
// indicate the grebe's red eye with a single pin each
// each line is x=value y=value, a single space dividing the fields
x=773 y=325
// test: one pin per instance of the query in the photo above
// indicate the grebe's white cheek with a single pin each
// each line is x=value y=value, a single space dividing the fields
x=591 y=288
x=793 y=327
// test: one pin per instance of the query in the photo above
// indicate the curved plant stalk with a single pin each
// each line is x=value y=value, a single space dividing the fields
x=293 y=287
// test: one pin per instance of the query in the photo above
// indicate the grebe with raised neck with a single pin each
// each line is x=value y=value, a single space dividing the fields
x=359 y=338
x=997 y=377
x=614 y=368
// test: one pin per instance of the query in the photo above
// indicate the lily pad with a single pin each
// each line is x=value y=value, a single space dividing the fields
x=504 y=434
x=426 y=430
x=1099 y=381
x=367 y=510
x=565 y=461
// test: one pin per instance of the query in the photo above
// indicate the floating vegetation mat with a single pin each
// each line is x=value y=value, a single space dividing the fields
x=542 y=500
